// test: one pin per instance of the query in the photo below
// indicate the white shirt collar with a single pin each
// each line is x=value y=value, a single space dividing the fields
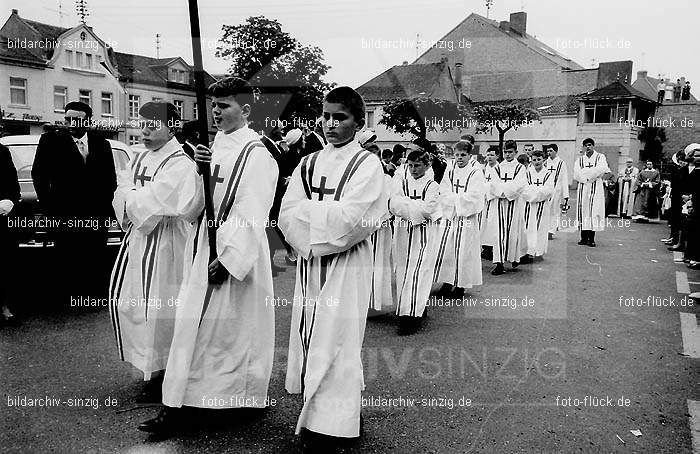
x=82 y=139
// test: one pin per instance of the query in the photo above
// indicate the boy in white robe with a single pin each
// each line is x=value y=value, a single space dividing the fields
x=416 y=240
x=507 y=187
x=223 y=344
x=488 y=219
x=589 y=169
x=462 y=197
x=627 y=181
x=560 y=198
x=335 y=200
x=537 y=194
x=156 y=202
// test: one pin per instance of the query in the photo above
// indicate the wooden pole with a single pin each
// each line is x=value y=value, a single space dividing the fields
x=202 y=123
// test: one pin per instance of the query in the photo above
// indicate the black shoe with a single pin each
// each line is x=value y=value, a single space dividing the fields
x=675 y=247
x=498 y=270
x=515 y=264
x=168 y=421
x=526 y=259
x=582 y=242
x=152 y=392
x=409 y=325
x=591 y=244
x=458 y=292
x=550 y=236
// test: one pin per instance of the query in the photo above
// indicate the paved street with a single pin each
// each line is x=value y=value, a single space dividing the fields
x=478 y=378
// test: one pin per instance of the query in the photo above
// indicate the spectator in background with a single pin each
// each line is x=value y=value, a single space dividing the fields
x=9 y=200
x=646 y=190
x=660 y=91
x=397 y=154
x=74 y=178
x=366 y=138
x=692 y=197
x=677 y=88
x=610 y=185
x=389 y=166
x=678 y=174
x=685 y=93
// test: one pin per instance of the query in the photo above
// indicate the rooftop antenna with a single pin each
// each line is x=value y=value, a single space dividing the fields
x=81 y=9
x=60 y=12
x=417 y=45
x=488 y=7
x=157 y=45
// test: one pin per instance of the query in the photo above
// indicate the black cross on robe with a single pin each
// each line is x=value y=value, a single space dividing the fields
x=537 y=183
x=215 y=179
x=142 y=178
x=457 y=186
x=322 y=189
x=506 y=179
x=415 y=196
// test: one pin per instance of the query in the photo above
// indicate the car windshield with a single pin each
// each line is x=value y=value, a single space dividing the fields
x=23 y=158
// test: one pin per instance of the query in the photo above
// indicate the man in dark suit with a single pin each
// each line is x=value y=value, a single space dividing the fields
x=74 y=178
x=678 y=174
x=692 y=193
x=9 y=200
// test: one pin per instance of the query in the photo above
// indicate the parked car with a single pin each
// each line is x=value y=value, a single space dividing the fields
x=23 y=149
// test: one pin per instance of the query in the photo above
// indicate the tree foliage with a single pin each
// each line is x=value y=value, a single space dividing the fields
x=289 y=75
x=418 y=116
x=503 y=118
x=653 y=138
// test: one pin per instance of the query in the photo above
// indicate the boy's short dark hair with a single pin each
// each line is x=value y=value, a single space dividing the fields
x=161 y=111
x=510 y=145
x=419 y=155
x=387 y=153
x=553 y=146
x=80 y=107
x=464 y=146
x=493 y=148
x=239 y=88
x=351 y=100
x=539 y=153
x=469 y=138
x=587 y=141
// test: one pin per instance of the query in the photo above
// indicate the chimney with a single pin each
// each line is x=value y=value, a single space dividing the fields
x=14 y=11
x=641 y=74
x=518 y=22
x=504 y=25
x=609 y=72
x=405 y=62
x=458 y=76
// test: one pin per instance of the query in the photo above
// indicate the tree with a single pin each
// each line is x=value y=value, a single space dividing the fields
x=503 y=117
x=418 y=116
x=289 y=76
x=653 y=138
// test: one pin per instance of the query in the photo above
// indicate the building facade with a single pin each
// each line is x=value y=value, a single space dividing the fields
x=44 y=67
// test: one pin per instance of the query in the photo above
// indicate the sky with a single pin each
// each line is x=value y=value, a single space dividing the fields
x=655 y=35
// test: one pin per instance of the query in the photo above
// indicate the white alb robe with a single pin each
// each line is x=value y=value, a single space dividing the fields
x=223 y=345
x=627 y=181
x=335 y=200
x=416 y=241
x=590 y=195
x=157 y=201
x=488 y=219
x=508 y=184
x=537 y=195
x=462 y=199
x=560 y=174
x=381 y=240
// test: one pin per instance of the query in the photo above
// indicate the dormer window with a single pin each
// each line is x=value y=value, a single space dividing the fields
x=178 y=75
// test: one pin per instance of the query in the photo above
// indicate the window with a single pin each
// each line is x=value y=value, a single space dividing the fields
x=609 y=112
x=78 y=59
x=179 y=104
x=60 y=98
x=178 y=75
x=18 y=91
x=194 y=110
x=370 y=119
x=106 y=104
x=134 y=140
x=85 y=96
x=88 y=61
x=69 y=58
x=134 y=106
